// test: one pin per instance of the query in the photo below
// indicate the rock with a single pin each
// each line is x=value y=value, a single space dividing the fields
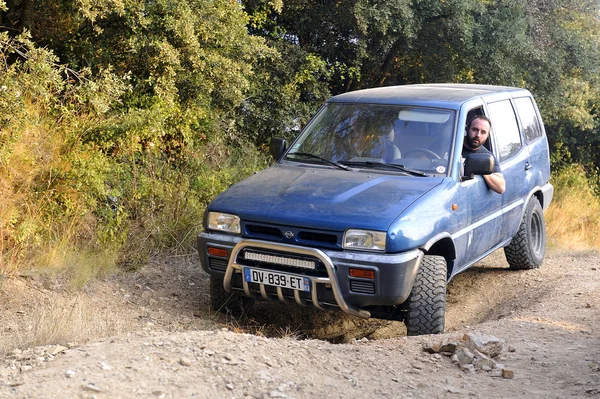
x=91 y=387
x=105 y=366
x=468 y=368
x=185 y=361
x=451 y=389
x=508 y=374
x=443 y=345
x=495 y=373
x=55 y=349
x=486 y=344
x=463 y=356
x=483 y=362
x=472 y=352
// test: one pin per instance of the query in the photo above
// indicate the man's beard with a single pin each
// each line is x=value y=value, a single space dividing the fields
x=473 y=145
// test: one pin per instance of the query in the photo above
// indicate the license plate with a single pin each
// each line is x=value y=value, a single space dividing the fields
x=277 y=279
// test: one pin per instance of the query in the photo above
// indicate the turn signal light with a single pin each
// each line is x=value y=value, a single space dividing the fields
x=217 y=252
x=362 y=273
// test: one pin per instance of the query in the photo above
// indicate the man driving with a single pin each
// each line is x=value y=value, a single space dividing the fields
x=478 y=131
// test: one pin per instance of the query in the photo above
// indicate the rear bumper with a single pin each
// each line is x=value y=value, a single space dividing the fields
x=331 y=285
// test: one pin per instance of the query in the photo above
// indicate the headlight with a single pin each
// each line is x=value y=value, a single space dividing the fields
x=365 y=240
x=224 y=222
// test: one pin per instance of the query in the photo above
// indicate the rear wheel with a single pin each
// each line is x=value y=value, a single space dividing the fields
x=227 y=302
x=426 y=305
x=528 y=247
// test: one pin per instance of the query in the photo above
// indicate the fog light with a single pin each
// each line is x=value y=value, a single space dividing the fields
x=362 y=273
x=217 y=252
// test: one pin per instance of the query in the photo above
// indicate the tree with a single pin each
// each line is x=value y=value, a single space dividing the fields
x=188 y=60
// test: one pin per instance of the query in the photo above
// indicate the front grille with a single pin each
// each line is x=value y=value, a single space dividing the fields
x=292 y=235
x=362 y=287
x=217 y=264
x=317 y=237
x=263 y=231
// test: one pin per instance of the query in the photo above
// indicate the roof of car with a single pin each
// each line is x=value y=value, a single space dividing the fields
x=436 y=94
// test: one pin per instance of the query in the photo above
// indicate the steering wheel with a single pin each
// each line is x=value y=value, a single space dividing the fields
x=425 y=151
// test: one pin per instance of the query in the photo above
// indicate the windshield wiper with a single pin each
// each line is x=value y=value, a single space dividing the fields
x=309 y=155
x=389 y=166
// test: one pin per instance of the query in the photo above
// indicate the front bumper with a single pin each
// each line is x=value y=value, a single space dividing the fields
x=331 y=283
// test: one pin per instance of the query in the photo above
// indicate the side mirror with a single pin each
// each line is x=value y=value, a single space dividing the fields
x=478 y=164
x=277 y=147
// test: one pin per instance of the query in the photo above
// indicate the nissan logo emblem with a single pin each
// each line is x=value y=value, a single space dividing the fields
x=289 y=235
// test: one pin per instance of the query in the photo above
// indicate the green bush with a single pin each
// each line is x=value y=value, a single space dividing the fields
x=87 y=185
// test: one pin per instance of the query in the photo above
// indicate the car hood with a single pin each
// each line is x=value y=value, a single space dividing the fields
x=323 y=198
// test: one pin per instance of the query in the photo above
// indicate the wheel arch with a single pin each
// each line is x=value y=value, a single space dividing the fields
x=537 y=193
x=442 y=245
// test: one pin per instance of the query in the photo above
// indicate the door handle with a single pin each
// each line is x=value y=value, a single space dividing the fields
x=528 y=166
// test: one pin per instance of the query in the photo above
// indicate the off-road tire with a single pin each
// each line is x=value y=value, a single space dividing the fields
x=527 y=249
x=426 y=304
x=232 y=303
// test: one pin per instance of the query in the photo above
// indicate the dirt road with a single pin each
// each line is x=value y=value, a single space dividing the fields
x=152 y=337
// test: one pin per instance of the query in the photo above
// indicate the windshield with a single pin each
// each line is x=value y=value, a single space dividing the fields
x=372 y=134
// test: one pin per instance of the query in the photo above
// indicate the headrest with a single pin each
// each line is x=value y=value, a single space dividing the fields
x=388 y=135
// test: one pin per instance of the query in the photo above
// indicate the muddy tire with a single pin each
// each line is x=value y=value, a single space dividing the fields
x=232 y=303
x=426 y=305
x=528 y=247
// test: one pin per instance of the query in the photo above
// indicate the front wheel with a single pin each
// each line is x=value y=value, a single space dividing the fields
x=527 y=249
x=426 y=304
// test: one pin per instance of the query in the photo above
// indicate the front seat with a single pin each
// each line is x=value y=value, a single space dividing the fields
x=392 y=152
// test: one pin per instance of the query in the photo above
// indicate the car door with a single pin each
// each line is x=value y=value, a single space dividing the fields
x=484 y=214
x=532 y=130
x=515 y=163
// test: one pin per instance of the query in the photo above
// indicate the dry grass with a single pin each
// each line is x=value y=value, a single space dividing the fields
x=46 y=317
x=574 y=223
x=74 y=268
x=65 y=320
x=41 y=309
x=573 y=218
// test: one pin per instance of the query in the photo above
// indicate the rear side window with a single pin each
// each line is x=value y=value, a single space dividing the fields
x=505 y=128
x=529 y=119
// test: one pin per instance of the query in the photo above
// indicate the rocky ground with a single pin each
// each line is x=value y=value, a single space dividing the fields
x=149 y=334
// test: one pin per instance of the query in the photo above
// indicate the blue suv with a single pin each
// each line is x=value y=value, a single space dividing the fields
x=372 y=209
